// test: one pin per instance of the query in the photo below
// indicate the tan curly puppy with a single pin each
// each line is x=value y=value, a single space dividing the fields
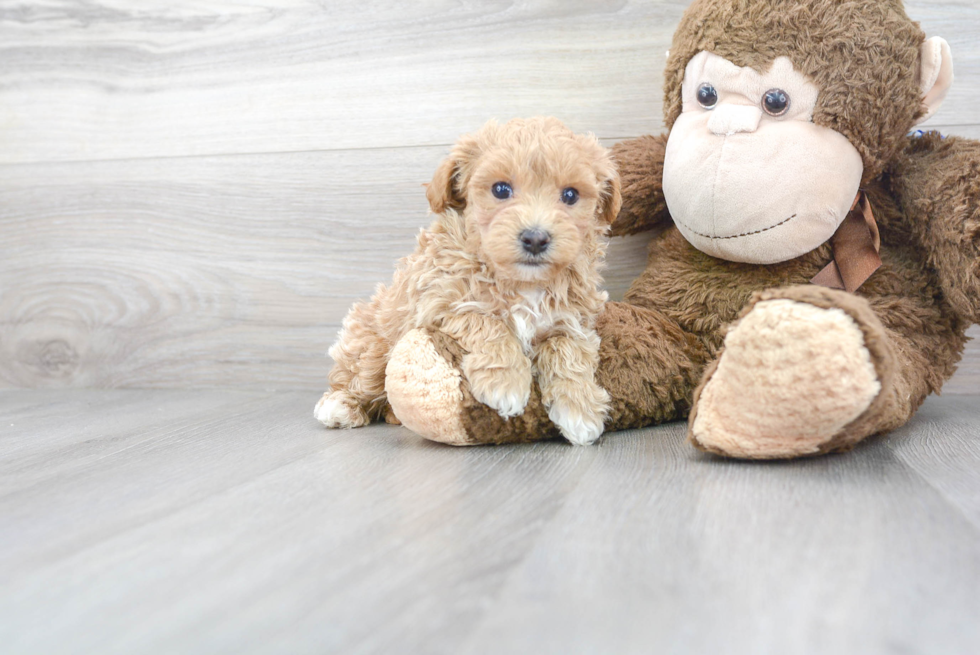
x=509 y=268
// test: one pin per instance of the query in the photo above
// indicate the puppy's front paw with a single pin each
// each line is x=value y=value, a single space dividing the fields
x=338 y=409
x=578 y=409
x=503 y=388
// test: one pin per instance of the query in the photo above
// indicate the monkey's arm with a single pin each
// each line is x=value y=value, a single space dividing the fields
x=937 y=184
x=647 y=364
x=641 y=168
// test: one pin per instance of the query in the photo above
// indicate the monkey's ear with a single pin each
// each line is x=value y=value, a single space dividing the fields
x=935 y=75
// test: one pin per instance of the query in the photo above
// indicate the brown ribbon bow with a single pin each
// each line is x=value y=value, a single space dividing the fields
x=856 y=245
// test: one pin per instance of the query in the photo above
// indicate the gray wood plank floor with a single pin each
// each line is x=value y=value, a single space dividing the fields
x=230 y=522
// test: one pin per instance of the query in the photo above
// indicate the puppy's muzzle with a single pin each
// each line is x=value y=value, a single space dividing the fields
x=535 y=241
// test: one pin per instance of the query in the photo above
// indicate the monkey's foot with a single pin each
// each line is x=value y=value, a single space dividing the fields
x=424 y=390
x=792 y=376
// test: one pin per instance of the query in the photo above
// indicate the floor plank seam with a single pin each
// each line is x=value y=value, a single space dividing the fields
x=469 y=643
x=274 y=153
x=899 y=457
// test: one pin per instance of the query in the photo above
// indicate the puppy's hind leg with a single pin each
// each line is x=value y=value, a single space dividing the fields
x=357 y=379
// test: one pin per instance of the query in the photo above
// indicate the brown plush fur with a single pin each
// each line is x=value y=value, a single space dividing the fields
x=470 y=278
x=859 y=53
x=669 y=332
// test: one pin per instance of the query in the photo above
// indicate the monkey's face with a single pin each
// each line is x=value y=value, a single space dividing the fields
x=748 y=176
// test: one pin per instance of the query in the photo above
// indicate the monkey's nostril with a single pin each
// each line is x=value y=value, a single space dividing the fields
x=535 y=241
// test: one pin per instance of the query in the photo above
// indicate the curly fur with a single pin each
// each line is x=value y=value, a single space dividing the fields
x=470 y=278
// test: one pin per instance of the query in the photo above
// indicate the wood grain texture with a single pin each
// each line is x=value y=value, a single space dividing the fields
x=213 y=521
x=224 y=271
x=110 y=79
x=193 y=193
x=144 y=246
x=229 y=271
x=966 y=381
x=944 y=448
x=188 y=78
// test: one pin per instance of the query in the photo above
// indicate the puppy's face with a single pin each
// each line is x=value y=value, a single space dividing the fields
x=536 y=194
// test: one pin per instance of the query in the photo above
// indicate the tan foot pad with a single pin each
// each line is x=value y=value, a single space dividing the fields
x=791 y=377
x=424 y=390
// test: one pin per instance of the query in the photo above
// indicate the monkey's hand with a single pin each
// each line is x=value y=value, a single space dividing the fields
x=641 y=168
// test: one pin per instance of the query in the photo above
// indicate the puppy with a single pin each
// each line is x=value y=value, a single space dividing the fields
x=509 y=268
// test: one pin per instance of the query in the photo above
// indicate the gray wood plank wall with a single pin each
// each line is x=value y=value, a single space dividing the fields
x=192 y=194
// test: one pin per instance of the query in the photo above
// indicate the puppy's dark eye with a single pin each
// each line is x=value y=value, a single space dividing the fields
x=569 y=196
x=775 y=102
x=501 y=190
x=707 y=96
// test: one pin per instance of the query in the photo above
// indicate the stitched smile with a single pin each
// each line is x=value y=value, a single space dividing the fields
x=744 y=234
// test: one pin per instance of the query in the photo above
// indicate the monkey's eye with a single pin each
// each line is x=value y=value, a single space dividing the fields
x=707 y=96
x=775 y=102
x=501 y=190
x=569 y=196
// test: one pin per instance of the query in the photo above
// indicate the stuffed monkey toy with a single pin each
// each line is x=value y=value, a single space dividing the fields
x=816 y=267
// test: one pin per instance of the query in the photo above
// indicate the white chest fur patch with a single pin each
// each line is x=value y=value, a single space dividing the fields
x=530 y=317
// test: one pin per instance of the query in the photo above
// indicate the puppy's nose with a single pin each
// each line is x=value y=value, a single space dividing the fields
x=535 y=241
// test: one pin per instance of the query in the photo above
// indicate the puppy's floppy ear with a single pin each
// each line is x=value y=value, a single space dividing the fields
x=441 y=192
x=604 y=168
x=448 y=187
x=611 y=198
